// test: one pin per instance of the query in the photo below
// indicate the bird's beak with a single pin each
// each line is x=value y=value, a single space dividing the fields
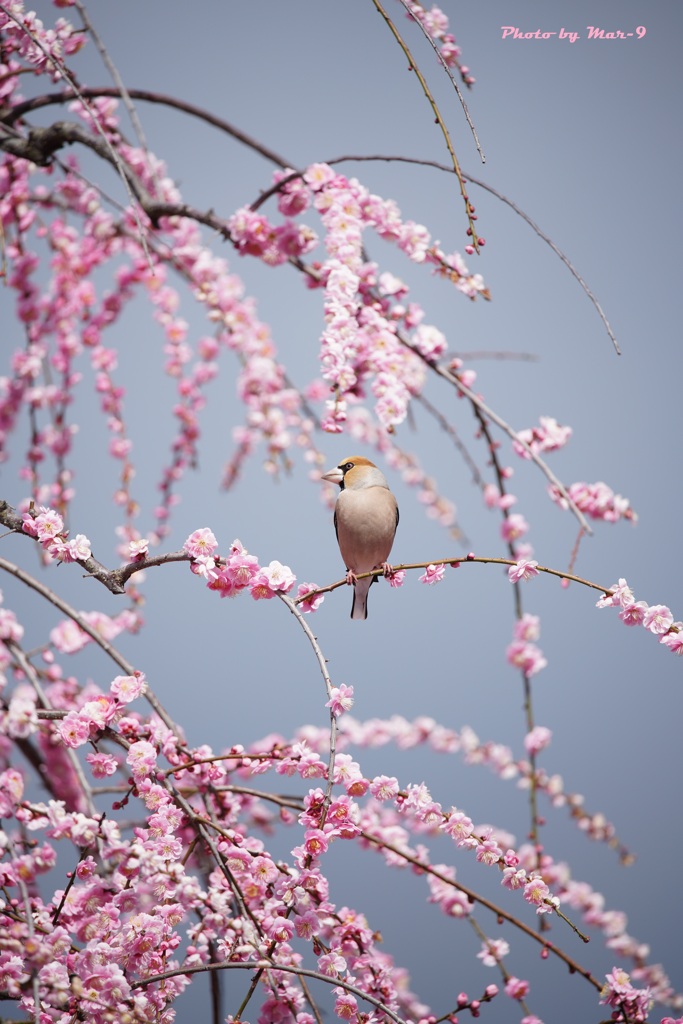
x=335 y=476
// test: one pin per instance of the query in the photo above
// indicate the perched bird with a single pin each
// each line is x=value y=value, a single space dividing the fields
x=365 y=518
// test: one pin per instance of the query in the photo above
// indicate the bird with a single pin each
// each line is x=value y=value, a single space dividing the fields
x=365 y=520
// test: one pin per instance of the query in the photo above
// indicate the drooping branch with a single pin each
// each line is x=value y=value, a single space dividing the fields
x=67 y=95
x=412 y=66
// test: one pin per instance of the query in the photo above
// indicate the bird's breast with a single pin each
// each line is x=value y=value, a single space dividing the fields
x=366 y=524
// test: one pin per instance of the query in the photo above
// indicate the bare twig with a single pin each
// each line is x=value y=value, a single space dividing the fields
x=448 y=71
x=412 y=66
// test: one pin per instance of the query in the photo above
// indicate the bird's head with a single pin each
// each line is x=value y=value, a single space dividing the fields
x=355 y=472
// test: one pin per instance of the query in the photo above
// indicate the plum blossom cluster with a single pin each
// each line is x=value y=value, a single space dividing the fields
x=92 y=717
x=597 y=501
x=498 y=757
x=47 y=526
x=581 y=897
x=426 y=815
x=548 y=436
x=27 y=39
x=134 y=886
x=366 y=311
x=68 y=637
x=523 y=653
x=68 y=318
x=241 y=571
x=136 y=906
x=630 y=1003
x=253 y=235
x=656 y=618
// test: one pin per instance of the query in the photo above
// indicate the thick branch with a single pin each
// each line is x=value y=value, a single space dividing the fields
x=68 y=95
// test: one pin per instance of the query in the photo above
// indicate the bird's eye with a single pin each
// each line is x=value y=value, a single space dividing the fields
x=346 y=467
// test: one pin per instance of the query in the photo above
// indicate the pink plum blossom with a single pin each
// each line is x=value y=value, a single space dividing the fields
x=396 y=577
x=384 y=787
x=634 y=614
x=516 y=988
x=674 y=639
x=433 y=574
x=201 y=543
x=142 y=758
x=658 y=619
x=341 y=699
x=527 y=628
x=537 y=739
x=278 y=577
x=74 y=730
x=493 y=951
x=128 y=688
x=527 y=657
x=309 y=604
x=102 y=765
x=524 y=569
x=331 y=964
x=513 y=527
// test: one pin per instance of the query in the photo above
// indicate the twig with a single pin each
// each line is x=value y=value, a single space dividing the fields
x=453 y=379
x=322 y=662
x=48 y=99
x=412 y=66
x=448 y=71
x=261 y=965
x=113 y=71
x=458 y=560
x=493 y=907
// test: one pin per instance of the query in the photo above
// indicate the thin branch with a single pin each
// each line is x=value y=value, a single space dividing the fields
x=473 y=897
x=450 y=430
x=113 y=579
x=500 y=354
x=261 y=965
x=474 y=398
x=113 y=71
x=412 y=66
x=66 y=95
x=448 y=71
x=456 y=562
x=513 y=206
x=322 y=662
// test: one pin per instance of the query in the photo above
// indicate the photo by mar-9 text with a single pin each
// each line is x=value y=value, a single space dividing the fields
x=592 y=32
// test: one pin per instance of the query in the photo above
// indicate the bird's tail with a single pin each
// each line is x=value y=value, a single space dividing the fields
x=359 y=608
